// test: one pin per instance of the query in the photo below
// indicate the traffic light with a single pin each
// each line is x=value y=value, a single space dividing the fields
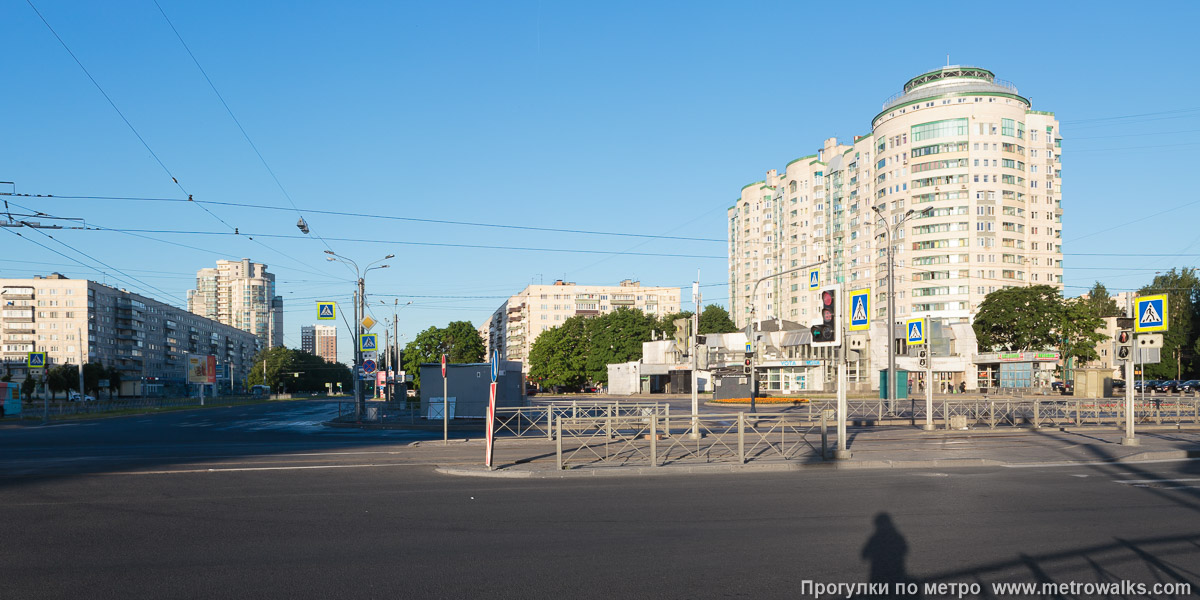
x=828 y=331
x=748 y=367
x=924 y=355
x=1124 y=348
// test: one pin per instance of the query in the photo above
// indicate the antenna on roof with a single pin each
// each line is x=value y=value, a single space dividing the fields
x=947 y=60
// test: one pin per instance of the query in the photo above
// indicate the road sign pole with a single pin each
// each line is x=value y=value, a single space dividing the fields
x=445 y=404
x=491 y=411
x=841 y=452
x=1130 y=439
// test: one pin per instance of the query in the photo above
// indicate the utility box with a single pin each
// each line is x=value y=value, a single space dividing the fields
x=469 y=384
x=901 y=384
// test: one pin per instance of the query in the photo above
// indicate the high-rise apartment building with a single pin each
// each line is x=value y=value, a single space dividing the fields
x=320 y=340
x=978 y=169
x=240 y=294
x=517 y=323
x=145 y=339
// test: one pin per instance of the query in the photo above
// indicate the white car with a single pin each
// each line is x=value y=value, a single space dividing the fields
x=74 y=397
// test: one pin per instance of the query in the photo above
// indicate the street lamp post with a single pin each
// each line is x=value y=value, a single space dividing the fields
x=393 y=362
x=359 y=308
x=890 y=235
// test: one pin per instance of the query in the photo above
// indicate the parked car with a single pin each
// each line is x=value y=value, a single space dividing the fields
x=1056 y=386
x=73 y=396
x=1191 y=385
x=1118 y=384
x=1169 y=385
x=1145 y=385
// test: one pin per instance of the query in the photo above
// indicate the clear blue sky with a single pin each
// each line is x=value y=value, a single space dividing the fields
x=629 y=117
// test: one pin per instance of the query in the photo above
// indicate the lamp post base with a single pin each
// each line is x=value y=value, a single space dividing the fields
x=1130 y=441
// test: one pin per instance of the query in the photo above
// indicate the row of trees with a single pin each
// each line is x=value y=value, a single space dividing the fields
x=65 y=378
x=459 y=341
x=1038 y=317
x=580 y=350
x=286 y=370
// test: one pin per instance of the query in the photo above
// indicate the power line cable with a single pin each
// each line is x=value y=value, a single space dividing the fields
x=137 y=134
x=411 y=243
x=237 y=122
x=387 y=217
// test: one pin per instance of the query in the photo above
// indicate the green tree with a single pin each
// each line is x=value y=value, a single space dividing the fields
x=29 y=386
x=557 y=357
x=715 y=319
x=1102 y=304
x=666 y=323
x=615 y=338
x=459 y=341
x=462 y=343
x=1019 y=318
x=114 y=381
x=93 y=372
x=62 y=378
x=1078 y=333
x=289 y=370
x=1181 y=341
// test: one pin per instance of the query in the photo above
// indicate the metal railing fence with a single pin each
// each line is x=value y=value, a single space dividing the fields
x=652 y=440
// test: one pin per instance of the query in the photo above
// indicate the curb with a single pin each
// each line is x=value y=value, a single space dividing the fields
x=781 y=467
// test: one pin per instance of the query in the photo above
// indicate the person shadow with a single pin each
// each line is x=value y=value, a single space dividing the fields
x=887 y=551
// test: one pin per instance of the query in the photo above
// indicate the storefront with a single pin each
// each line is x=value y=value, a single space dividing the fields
x=1016 y=370
x=791 y=376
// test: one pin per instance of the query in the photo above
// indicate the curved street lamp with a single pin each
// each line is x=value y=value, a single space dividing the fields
x=359 y=309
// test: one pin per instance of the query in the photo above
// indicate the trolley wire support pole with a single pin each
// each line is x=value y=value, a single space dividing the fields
x=750 y=327
x=695 y=348
x=1130 y=439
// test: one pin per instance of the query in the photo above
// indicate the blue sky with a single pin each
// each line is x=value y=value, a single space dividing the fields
x=631 y=117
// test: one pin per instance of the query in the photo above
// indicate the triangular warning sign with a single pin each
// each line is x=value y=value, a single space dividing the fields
x=860 y=309
x=914 y=331
x=1150 y=316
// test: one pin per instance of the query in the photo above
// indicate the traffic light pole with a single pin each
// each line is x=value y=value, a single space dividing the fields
x=750 y=325
x=841 y=452
x=1129 y=439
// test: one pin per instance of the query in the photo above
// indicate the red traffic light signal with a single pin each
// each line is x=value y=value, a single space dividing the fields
x=827 y=332
x=1123 y=337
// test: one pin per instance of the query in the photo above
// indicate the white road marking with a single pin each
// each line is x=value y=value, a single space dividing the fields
x=180 y=471
x=1136 y=481
x=1088 y=464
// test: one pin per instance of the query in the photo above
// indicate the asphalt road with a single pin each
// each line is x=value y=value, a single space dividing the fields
x=129 y=508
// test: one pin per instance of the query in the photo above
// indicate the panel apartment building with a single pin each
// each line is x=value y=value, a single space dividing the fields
x=517 y=323
x=240 y=293
x=142 y=337
x=956 y=141
x=320 y=340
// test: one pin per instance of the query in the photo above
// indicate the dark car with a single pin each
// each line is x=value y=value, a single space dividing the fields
x=1056 y=386
x=1146 y=385
x=1118 y=384
x=1191 y=385
x=1169 y=385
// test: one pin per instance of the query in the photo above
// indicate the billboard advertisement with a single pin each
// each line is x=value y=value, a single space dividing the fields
x=201 y=368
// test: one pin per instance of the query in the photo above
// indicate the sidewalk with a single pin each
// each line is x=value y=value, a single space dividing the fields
x=871 y=448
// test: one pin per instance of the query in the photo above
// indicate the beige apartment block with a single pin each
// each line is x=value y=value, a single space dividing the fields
x=144 y=338
x=517 y=323
x=956 y=141
x=320 y=340
x=240 y=294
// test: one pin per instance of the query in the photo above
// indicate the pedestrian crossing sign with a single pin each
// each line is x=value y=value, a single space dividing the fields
x=860 y=310
x=814 y=279
x=367 y=342
x=326 y=311
x=1150 y=313
x=36 y=360
x=916 y=331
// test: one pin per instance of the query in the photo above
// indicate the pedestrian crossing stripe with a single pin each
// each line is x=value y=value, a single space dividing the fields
x=366 y=342
x=326 y=311
x=814 y=279
x=1151 y=312
x=916 y=331
x=860 y=310
x=37 y=360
